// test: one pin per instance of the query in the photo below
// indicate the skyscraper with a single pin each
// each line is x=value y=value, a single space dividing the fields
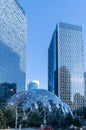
x=13 y=35
x=85 y=82
x=34 y=84
x=85 y=87
x=66 y=64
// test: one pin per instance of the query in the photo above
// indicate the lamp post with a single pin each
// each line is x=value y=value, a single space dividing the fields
x=16 y=112
x=44 y=116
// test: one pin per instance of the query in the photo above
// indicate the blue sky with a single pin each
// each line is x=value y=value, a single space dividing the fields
x=42 y=17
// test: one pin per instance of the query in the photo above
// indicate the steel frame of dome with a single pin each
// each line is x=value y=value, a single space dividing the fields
x=40 y=100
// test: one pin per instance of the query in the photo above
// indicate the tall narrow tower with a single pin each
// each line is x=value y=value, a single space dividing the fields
x=66 y=64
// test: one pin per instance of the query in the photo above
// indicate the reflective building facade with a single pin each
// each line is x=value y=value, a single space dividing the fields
x=85 y=82
x=66 y=64
x=85 y=87
x=6 y=91
x=13 y=35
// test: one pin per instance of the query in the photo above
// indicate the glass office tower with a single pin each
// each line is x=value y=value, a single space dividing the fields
x=13 y=35
x=66 y=64
x=34 y=84
x=85 y=88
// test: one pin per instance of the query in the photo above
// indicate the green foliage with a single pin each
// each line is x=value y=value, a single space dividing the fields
x=76 y=122
x=34 y=120
x=56 y=119
x=60 y=121
x=6 y=117
x=69 y=120
x=84 y=112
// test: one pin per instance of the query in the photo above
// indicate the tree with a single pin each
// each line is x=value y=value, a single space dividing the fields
x=34 y=120
x=6 y=117
x=69 y=120
x=84 y=112
x=76 y=122
x=1 y=117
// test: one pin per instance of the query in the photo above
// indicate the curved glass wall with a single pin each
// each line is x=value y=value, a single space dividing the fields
x=42 y=101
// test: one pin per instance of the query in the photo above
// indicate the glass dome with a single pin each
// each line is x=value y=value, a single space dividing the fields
x=40 y=100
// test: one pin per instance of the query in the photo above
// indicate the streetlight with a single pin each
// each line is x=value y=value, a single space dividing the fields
x=16 y=111
x=44 y=116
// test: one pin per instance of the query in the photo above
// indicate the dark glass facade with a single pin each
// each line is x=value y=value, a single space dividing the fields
x=13 y=35
x=6 y=91
x=66 y=64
